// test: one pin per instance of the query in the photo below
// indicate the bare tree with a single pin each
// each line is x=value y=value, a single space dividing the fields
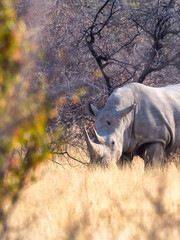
x=104 y=25
x=160 y=24
x=140 y=38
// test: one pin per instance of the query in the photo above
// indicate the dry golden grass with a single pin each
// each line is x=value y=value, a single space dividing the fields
x=82 y=203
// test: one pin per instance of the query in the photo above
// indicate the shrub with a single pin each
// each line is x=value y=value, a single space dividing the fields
x=23 y=112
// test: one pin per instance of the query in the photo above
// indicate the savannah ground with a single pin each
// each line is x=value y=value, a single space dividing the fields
x=115 y=203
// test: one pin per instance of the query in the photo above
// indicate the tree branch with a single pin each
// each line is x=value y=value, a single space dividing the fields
x=125 y=45
x=169 y=62
x=146 y=70
x=66 y=153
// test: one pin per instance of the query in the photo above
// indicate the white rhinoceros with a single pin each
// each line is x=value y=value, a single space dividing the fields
x=137 y=119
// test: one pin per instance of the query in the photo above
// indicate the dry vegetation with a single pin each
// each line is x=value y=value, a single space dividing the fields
x=114 y=203
x=72 y=201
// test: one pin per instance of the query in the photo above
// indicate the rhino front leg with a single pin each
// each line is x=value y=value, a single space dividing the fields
x=153 y=155
x=125 y=159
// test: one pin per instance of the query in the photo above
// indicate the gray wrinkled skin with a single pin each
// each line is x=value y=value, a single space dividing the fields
x=140 y=120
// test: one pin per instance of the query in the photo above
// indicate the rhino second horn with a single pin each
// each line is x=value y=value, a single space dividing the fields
x=93 y=148
x=98 y=138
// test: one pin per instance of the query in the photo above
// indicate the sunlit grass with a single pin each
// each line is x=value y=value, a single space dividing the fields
x=83 y=203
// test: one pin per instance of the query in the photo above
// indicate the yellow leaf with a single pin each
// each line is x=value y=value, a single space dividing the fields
x=98 y=73
x=60 y=101
x=81 y=92
x=75 y=99
x=53 y=113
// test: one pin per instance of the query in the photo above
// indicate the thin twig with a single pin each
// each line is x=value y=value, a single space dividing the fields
x=66 y=153
x=57 y=163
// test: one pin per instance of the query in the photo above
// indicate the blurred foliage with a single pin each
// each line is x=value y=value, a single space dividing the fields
x=23 y=112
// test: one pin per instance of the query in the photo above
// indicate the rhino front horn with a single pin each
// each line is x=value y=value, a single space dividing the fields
x=93 y=148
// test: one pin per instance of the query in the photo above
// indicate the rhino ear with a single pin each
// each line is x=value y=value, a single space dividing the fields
x=92 y=110
x=122 y=113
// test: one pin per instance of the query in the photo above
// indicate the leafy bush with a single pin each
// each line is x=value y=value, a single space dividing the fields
x=23 y=112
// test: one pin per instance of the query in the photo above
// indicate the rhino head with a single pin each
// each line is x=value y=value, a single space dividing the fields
x=111 y=134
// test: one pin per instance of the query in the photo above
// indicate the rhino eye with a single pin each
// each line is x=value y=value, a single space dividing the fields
x=113 y=142
x=108 y=123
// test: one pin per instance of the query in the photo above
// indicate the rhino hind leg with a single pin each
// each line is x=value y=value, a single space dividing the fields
x=153 y=155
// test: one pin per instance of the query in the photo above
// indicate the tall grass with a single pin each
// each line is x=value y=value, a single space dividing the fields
x=82 y=203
